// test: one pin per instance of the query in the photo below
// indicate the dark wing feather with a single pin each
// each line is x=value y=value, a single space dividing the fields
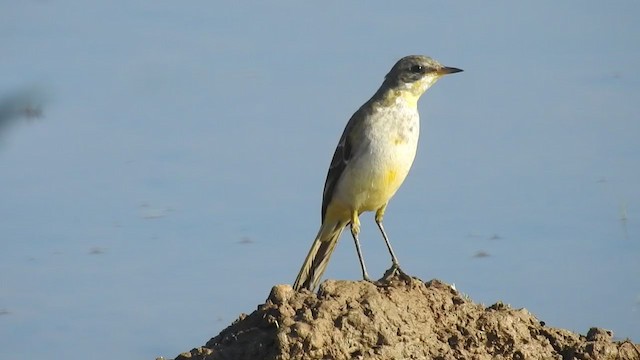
x=340 y=159
x=338 y=164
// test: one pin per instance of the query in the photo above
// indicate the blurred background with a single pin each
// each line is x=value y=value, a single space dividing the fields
x=162 y=163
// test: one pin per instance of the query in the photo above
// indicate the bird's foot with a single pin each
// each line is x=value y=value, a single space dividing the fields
x=394 y=273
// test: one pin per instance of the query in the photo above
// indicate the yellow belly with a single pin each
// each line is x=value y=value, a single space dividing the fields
x=368 y=189
x=382 y=188
x=381 y=162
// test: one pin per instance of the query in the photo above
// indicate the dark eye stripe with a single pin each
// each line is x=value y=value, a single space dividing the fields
x=417 y=69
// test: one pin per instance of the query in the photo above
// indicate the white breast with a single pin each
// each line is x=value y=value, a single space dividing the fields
x=382 y=161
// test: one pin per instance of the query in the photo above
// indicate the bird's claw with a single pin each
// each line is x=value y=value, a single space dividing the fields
x=394 y=273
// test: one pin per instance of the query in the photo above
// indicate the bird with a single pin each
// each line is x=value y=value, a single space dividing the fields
x=370 y=163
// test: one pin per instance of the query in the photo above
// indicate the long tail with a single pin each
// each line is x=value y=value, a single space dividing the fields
x=318 y=258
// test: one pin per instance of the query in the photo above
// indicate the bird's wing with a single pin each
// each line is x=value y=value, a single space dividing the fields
x=342 y=155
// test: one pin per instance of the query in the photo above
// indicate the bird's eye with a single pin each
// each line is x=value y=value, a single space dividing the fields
x=417 y=69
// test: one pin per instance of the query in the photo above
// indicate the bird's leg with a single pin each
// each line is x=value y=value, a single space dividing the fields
x=379 y=216
x=395 y=265
x=355 y=230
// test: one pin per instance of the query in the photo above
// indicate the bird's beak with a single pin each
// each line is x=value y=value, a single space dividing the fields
x=447 y=70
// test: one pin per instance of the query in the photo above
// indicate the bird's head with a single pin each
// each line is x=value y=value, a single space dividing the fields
x=412 y=75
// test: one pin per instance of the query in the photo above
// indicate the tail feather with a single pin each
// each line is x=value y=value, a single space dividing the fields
x=316 y=262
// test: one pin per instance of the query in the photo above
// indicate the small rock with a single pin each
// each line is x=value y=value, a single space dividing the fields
x=599 y=334
x=280 y=293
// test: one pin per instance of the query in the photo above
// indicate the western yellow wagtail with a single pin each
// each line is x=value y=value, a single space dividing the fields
x=372 y=160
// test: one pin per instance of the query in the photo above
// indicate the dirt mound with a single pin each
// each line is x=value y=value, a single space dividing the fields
x=406 y=319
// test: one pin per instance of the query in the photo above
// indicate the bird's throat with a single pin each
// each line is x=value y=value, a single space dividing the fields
x=405 y=97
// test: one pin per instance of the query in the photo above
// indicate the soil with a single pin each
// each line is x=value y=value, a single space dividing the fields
x=402 y=319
